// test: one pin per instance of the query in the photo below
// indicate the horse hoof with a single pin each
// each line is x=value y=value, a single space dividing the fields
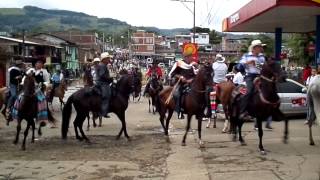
x=214 y=126
x=263 y=152
x=234 y=139
x=183 y=144
x=79 y=138
x=118 y=137
x=201 y=144
x=23 y=148
x=128 y=139
x=15 y=142
x=88 y=141
x=243 y=143
x=285 y=141
x=312 y=143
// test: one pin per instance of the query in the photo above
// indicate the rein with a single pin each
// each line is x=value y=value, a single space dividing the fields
x=263 y=99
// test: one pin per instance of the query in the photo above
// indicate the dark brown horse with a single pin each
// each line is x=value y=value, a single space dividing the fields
x=58 y=92
x=153 y=91
x=88 y=100
x=194 y=101
x=3 y=99
x=264 y=103
x=26 y=107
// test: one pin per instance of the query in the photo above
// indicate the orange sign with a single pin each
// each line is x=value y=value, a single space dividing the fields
x=190 y=49
x=317 y=1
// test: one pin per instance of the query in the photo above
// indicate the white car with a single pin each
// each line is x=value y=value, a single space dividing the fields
x=293 y=97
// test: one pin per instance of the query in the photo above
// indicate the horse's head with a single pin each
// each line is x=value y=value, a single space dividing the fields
x=272 y=71
x=29 y=84
x=129 y=83
x=206 y=73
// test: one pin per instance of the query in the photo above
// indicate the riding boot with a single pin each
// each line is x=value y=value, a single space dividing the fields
x=246 y=98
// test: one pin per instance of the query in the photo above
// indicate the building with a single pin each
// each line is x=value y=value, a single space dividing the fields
x=69 y=51
x=143 y=44
x=29 y=51
x=89 y=44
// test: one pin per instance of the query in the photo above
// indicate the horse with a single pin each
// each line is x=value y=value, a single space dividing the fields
x=88 y=100
x=193 y=104
x=313 y=96
x=153 y=91
x=58 y=92
x=26 y=107
x=223 y=96
x=264 y=103
x=3 y=100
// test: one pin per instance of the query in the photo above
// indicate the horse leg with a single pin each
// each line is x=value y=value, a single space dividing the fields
x=226 y=121
x=243 y=143
x=124 y=126
x=201 y=144
x=260 y=133
x=61 y=103
x=23 y=147
x=76 y=124
x=81 y=120
x=168 y=122
x=88 y=126
x=162 y=113
x=100 y=121
x=286 y=131
x=149 y=105
x=33 y=124
x=310 y=133
x=187 y=130
x=18 y=131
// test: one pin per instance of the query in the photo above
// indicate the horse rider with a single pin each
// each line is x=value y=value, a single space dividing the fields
x=252 y=61
x=56 y=79
x=153 y=70
x=220 y=69
x=183 y=71
x=103 y=82
x=15 y=77
x=238 y=78
x=95 y=62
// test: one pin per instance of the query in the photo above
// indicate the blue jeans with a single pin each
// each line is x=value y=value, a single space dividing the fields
x=13 y=94
x=250 y=91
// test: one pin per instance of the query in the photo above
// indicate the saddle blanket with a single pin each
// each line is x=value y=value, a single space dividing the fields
x=42 y=115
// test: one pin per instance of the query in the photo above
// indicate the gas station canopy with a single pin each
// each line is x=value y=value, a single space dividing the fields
x=296 y=16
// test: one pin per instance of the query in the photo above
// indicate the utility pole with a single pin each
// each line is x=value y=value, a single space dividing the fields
x=23 y=45
x=193 y=13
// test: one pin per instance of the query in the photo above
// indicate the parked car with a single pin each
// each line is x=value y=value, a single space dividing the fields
x=293 y=98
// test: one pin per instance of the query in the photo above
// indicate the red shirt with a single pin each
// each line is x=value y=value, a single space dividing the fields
x=157 y=70
x=306 y=73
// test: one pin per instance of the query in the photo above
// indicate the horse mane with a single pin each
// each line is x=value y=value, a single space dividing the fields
x=29 y=85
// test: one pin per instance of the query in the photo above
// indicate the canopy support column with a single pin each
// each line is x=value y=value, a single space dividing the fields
x=278 y=43
x=318 y=41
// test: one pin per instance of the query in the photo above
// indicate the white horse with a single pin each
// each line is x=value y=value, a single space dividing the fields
x=314 y=105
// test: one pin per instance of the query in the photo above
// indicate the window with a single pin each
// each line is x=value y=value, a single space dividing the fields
x=204 y=37
x=150 y=48
x=149 y=40
x=289 y=87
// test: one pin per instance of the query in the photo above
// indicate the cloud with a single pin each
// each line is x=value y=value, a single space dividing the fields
x=158 y=13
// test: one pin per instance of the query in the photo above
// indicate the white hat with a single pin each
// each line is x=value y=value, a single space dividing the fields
x=254 y=43
x=96 y=60
x=105 y=55
x=220 y=58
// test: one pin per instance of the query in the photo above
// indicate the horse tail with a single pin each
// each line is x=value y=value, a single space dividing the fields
x=157 y=103
x=66 y=114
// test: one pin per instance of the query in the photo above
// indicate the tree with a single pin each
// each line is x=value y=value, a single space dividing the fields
x=265 y=39
x=298 y=44
x=215 y=38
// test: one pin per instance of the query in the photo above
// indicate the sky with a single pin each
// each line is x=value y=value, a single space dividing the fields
x=165 y=14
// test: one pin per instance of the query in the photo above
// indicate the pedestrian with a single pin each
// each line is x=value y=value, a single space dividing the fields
x=312 y=76
x=306 y=73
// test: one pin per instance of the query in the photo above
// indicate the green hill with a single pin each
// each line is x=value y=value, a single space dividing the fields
x=34 y=19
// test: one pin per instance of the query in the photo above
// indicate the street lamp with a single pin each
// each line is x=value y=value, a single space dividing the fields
x=194 y=15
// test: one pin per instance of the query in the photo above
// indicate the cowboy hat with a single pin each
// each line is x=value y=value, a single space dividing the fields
x=96 y=60
x=220 y=58
x=105 y=55
x=255 y=43
x=18 y=62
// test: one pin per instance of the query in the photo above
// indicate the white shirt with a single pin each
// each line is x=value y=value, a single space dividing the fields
x=220 y=70
x=310 y=79
x=238 y=78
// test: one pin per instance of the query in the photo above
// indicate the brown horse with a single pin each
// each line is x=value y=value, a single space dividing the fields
x=265 y=102
x=194 y=101
x=153 y=91
x=58 y=92
x=3 y=92
x=223 y=94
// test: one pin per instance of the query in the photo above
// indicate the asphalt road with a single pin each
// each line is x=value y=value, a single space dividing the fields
x=150 y=155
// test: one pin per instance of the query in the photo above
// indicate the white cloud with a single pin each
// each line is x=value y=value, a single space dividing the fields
x=159 y=13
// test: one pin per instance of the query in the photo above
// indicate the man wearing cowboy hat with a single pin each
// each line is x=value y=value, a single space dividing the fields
x=220 y=69
x=252 y=62
x=93 y=68
x=182 y=71
x=103 y=81
x=154 y=69
x=15 y=77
